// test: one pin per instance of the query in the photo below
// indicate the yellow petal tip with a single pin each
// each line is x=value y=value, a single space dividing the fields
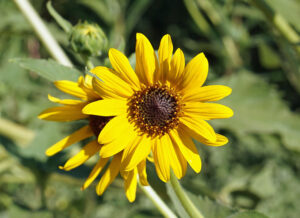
x=85 y=110
x=231 y=113
x=111 y=52
x=131 y=199
x=49 y=153
x=229 y=90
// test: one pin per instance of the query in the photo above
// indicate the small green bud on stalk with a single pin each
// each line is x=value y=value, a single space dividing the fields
x=88 y=39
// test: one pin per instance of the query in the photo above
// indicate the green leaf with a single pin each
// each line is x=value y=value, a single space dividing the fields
x=258 y=108
x=49 y=69
x=247 y=214
x=210 y=208
x=262 y=183
x=46 y=136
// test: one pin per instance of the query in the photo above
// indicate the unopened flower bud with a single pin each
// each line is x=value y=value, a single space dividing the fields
x=88 y=39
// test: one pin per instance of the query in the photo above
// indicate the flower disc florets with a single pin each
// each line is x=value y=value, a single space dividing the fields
x=155 y=109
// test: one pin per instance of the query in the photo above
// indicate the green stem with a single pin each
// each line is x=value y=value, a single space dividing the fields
x=156 y=200
x=87 y=61
x=186 y=202
x=279 y=23
x=90 y=64
x=43 y=33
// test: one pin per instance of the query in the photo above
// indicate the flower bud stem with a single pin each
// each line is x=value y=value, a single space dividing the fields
x=89 y=64
x=186 y=202
x=87 y=61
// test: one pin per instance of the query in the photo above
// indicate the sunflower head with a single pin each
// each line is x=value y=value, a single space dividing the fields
x=158 y=108
x=71 y=110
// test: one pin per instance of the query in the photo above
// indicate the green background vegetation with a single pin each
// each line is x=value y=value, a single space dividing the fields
x=258 y=169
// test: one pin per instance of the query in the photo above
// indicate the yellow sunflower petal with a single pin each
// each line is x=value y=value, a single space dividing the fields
x=142 y=172
x=129 y=152
x=106 y=107
x=195 y=73
x=82 y=156
x=200 y=127
x=122 y=66
x=181 y=164
x=63 y=113
x=118 y=144
x=95 y=172
x=150 y=158
x=161 y=157
x=86 y=81
x=124 y=174
x=165 y=53
x=207 y=93
x=104 y=91
x=176 y=67
x=114 y=128
x=110 y=174
x=64 y=101
x=221 y=140
x=71 y=88
x=83 y=133
x=146 y=61
x=135 y=153
x=187 y=148
x=108 y=85
x=130 y=185
x=86 y=85
x=207 y=111
x=177 y=162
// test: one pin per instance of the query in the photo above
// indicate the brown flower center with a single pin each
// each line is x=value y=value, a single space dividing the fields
x=154 y=109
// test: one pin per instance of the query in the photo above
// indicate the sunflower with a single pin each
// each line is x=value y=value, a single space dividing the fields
x=71 y=111
x=158 y=108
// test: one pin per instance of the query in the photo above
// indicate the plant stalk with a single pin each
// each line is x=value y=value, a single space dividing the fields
x=87 y=61
x=186 y=202
x=156 y=200
x=43 y=33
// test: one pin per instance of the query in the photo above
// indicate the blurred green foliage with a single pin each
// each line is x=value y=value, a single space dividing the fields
x=258 y=169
